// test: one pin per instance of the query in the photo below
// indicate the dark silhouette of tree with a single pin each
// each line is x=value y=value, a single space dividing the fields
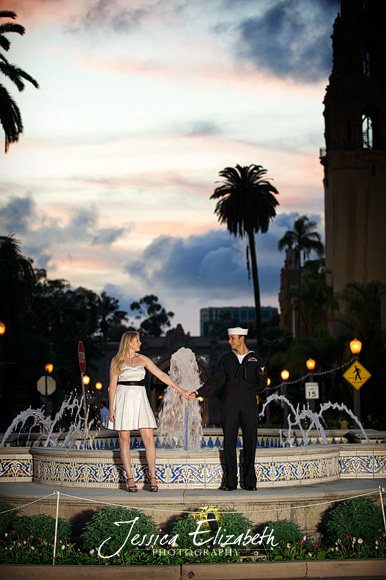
x=10 y=116
x=109 y=314
x=247 y=205
x=156 y=319
x=359 y=315
x=304 y=239
x=17 y=282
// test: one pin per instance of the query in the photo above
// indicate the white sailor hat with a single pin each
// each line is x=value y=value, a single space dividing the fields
x=238 y=330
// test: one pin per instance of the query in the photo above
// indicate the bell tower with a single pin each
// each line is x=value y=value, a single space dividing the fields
x=355 y=156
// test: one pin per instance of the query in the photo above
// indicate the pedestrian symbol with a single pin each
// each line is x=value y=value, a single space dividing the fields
x=357 y=375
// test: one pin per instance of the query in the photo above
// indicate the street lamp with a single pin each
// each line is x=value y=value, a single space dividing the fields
x=310 y=364
x=284 y=375
x=98 y=386
x=355 y=346
x=86 y=379
x=2 y=332
x=283 y=391
x=48 y=368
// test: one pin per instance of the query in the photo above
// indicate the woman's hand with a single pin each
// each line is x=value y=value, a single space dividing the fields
x=112 y=416
x=184 y=393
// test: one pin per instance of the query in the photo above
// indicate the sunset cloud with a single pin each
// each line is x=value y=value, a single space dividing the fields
x=140 y=105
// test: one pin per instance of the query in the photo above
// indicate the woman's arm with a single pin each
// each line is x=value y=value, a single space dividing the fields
x=150 y=366
x=112 y=391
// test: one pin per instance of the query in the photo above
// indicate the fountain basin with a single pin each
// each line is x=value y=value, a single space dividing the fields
x=178 y=469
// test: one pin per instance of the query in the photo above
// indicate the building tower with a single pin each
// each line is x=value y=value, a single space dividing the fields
x=355 y=156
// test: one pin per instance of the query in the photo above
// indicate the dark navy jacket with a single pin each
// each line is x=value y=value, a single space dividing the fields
x=242 y=381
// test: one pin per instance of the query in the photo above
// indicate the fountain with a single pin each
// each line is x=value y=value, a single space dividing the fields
x=187 y=465
x=315 y=419
x=180 y=424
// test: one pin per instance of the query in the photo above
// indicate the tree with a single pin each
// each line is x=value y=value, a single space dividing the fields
x=304 y=239
x=156 y=317
x=17 y=282
x=247 y=205
x=10 y=116
x=359 y=315
x=109 y=314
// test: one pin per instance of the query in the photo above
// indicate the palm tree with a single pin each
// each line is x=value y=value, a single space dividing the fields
x=10 y=116
x=17 y=282
x=247 y=205
x=304 y=239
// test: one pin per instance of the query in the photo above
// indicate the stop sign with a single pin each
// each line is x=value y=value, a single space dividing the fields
x=81 y=357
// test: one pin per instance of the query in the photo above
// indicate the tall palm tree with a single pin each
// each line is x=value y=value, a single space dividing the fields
x=247 y=205
x=10 y=116
x=305 y=239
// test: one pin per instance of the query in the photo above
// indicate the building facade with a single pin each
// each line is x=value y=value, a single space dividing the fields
x=354 y=159
x=211 y=316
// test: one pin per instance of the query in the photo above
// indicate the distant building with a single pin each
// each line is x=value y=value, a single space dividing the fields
x=243 y=315
x=354 y=159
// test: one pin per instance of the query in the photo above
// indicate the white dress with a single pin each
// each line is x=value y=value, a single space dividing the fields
x=132 y=407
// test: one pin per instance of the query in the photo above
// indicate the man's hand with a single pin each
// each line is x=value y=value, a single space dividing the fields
x=191 y=396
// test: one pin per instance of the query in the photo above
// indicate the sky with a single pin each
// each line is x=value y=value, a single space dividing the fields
x=140 y=104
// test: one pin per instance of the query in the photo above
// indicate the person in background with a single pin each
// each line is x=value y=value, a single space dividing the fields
x=103 y=413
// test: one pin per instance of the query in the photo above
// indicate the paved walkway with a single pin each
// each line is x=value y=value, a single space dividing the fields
x=333 y=490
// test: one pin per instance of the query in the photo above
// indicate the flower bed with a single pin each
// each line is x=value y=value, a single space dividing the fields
x=212 y=534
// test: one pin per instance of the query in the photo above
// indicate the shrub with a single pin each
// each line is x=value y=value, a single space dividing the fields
x=8 y=519
x=230 y=522
x=101 y=529
x=286 y=532
x=355 y=518
x=41 y=526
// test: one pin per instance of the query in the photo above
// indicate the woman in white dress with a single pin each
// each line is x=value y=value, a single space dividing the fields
x=129 y=405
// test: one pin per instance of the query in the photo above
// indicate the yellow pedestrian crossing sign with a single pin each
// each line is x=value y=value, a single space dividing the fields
x=357 y=375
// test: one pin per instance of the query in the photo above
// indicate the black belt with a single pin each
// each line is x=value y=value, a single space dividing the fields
x=137 y=383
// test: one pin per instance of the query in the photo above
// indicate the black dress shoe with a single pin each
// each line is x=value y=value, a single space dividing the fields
x=227 y=488
x=250 y=487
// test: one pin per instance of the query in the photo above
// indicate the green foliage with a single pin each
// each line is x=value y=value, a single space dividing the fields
x=41 y=526
x=286 y=531
x=33 y=550
x=356 y=518
x=230 y=522
x=8 y=519
x=101 y=528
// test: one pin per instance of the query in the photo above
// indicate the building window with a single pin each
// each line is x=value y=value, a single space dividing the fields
x=367 y=132
x=366 y=62
x=368 y=59
x=370 y=128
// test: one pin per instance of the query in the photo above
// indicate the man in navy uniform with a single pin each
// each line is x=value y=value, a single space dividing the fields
x=245 y=377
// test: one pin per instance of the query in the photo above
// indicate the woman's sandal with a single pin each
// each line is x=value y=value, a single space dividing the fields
x=153 y=487
x=131 y=488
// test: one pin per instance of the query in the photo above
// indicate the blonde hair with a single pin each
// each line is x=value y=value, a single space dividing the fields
x=126 y=340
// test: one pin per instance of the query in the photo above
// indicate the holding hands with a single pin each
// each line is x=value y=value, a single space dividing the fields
x=184 y=393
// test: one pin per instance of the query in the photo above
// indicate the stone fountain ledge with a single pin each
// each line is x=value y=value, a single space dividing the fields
x=203 y=469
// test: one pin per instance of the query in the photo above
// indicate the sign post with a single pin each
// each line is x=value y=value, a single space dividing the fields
x=357 y=375
x=82 y=366
x=312 y=391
